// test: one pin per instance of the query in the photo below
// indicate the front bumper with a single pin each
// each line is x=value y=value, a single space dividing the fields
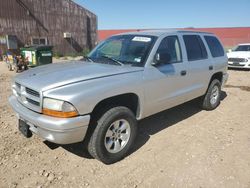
x=241 y=65
x=56 y=130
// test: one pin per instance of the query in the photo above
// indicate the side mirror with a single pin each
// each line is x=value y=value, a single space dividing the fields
x=161 y=58
x=229 y=50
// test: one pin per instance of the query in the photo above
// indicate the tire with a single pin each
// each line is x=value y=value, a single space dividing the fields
x=212 y=97
x=116 y=127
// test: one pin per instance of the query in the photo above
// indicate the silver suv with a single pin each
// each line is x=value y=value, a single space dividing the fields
x=124 y=79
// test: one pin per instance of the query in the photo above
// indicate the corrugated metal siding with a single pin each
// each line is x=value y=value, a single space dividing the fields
x=49 y=18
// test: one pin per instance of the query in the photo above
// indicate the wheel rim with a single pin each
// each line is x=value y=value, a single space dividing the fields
x=214 y=95
x=117 y=136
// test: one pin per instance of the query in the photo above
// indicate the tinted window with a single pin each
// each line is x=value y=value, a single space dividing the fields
x=214 y=46
x=195 y=47
x=171 y=46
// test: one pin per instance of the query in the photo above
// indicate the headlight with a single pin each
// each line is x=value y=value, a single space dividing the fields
x=58 y=108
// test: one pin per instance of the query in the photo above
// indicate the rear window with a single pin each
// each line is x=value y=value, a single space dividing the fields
x=195 y=47
x=214 y=46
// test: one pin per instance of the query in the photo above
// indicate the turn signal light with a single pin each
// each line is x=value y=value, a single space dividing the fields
x=59 y=114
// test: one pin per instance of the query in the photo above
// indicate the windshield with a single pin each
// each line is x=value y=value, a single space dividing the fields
x=123 y=49
x=242 y=48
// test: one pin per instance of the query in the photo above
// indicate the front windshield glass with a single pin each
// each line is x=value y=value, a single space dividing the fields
x=243 y=48
x=123 y=49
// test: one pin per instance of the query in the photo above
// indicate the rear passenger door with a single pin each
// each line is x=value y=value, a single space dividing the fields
x=199 y=65
x=217 y=52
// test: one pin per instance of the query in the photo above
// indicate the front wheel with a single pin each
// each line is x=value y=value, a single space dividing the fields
x=114 y=135
x=212 y=97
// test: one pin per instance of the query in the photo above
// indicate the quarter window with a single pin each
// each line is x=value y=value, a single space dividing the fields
x=214 y=46
x=171 y=46
x=195 y=47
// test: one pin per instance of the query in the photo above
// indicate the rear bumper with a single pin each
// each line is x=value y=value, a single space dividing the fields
x=56 y=130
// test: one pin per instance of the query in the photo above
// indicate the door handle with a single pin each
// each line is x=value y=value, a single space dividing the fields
x=183 y=73
x=211 y=67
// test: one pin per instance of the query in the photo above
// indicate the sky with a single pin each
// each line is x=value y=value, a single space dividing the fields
x=150 y=14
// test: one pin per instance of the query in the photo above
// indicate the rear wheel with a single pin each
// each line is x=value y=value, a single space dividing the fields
x=212 y=97
x=113 y=136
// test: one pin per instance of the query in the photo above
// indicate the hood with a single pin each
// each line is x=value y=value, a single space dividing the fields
x=59 y=74
x=239 y=54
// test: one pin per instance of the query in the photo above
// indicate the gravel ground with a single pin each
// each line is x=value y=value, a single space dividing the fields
x=180 y=147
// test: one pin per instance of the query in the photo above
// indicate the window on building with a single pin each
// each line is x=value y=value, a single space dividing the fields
x=39 y=41
x=195 y=48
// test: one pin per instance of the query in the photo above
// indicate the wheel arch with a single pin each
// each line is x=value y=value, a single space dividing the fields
x=129 y=100
x=218 y=76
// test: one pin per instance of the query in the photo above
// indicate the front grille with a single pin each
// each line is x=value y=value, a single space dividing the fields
x=237 y=60
x=237 y=65
x=33 y=102
x=32 y=92
x=27 y=97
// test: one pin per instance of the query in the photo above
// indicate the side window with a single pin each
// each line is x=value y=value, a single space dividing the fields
x=214 y=46
x=171 y=46
x=195 y=48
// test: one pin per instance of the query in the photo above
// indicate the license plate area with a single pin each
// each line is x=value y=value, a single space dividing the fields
x=24 y=128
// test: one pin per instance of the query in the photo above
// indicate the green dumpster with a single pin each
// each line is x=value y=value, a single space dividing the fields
x=37 y=55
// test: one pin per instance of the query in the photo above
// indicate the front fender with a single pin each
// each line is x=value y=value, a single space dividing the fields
x=86 y=95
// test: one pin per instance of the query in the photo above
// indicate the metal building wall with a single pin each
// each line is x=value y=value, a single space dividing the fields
x=48 y=18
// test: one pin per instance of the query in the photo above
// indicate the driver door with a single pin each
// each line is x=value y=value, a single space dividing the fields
x=166 y=82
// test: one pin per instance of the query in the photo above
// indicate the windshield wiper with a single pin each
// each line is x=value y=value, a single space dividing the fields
x=88 y=58
x=112 y=59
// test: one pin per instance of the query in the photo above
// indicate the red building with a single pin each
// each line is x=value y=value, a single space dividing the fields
x=229 y=36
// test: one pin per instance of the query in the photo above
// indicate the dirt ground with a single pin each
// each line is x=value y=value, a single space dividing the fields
x=180 y=147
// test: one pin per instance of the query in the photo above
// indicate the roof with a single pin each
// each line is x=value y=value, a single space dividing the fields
x=161 y=32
